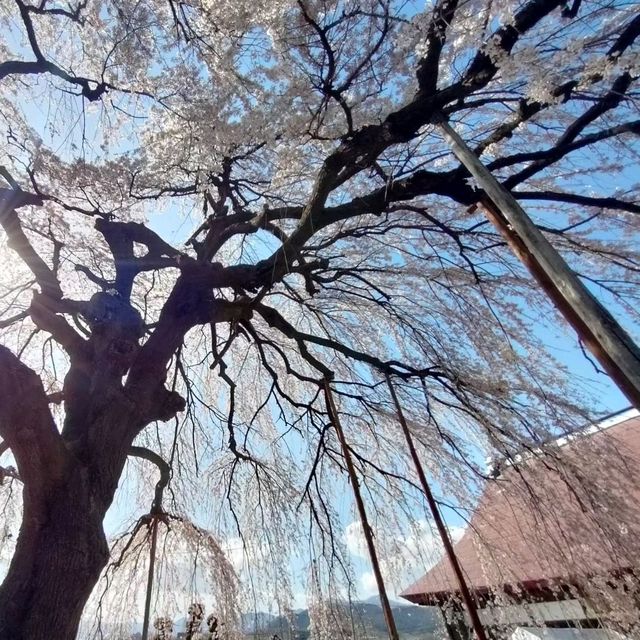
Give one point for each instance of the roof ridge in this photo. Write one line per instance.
(495, 465)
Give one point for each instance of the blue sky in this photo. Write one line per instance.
(559, 339)
(176, 229)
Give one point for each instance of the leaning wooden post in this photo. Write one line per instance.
(608, 341)
(152, 563)
(355, 485)
(442, 529)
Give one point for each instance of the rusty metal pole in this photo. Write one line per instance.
(355, 485)
(608, 341)
(470, 605)
(150, 576)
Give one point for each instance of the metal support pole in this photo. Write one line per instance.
(442, 529)
(608, 341)
(355, 485)
(152, 563)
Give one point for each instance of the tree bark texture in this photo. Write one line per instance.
(60, 553)
(68, 485)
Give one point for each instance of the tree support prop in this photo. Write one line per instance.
(596, 327)
(152, 564)
(355, 485)
(156, 514)
(442, 529)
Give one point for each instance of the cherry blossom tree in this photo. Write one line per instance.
(208, 208)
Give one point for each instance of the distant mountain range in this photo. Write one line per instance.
(364, 618)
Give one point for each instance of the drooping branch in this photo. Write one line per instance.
(274, 319)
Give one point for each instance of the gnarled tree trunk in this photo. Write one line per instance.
(69, 481)
(60, 552)
(70, 475)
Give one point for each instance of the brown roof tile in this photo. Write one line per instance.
(572, 512)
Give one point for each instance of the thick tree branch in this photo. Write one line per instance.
(190, 303)
(10, 200)
(42, 65)
(121, 236)
(361, 150)
(614, 204)
(7, 472)
(20, 67)
(7, 322)
(427, 73)
(165, 473)
(27, 427)
(543, 159)
(45, 314)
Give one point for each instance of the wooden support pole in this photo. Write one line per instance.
(470, 605)
(608, 341)
(355, 485)
(150, 576)
(517, 246)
